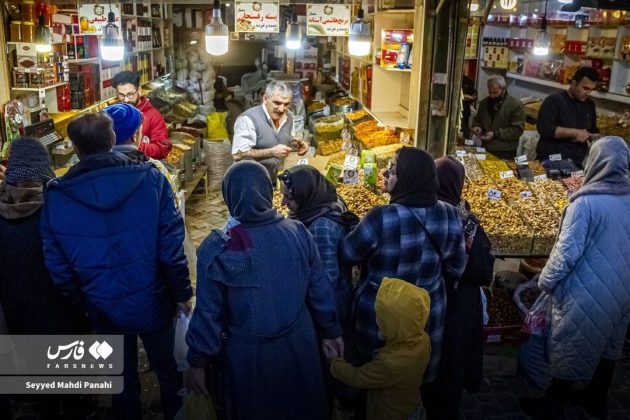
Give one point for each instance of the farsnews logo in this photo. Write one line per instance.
(76, 351)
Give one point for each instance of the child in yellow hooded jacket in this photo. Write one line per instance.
(394, 376)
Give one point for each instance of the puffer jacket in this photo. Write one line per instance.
(157, 144)
(394, 376)
(113, 242)
(588, 275)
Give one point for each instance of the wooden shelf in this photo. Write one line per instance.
(37, 89)
(397, 70)
(392, 119)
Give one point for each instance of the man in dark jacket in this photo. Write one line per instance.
(155, 143)
(500, 120)
(113, 242)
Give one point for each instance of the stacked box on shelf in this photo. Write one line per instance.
(366, 85)
(84, 84)
(506, 229)
(496, 57)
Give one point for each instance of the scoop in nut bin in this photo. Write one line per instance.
(298, 146)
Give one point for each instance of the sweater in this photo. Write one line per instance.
(507, 124)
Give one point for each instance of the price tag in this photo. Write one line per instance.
(526, 194)
(405, 138)
(481, 149)
(555, 157)
(520, 159)
(351, 162)
(460, 153)
(346, 145)
(469, 142)
(577, 174)
(540, 177)
(506, 174)
(302, 162)
(480, 156)
(345, 134)
(494, 194)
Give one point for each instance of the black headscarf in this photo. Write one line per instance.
(450, 175)
(315, 196)
(248, 194)
(416, 184)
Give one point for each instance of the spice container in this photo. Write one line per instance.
(16, 31)
(28, 31)
(28, 11)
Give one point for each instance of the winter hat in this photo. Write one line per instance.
(126, 120)
(28, 161)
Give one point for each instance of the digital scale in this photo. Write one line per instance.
(45, 132)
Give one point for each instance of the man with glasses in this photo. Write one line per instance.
(155, 142)
(264, 133)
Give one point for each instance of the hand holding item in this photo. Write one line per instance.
(302, 148)
(329, 350)
(185, 307)
(488, 136)
(195, 380)
(477, 131)
(280, 151)
(581, 136)
(333, 348)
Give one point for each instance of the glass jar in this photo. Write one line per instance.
(28, 31)
(16, 31)
(28, 11)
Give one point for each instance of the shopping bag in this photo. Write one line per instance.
(180, 349)
(196, 407)
(216, 125)
(538, 319)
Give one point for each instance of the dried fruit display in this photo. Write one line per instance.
(346, 100)
(316, 106)
(471, 167)
(329, 128)
(544, 220)
(385, 153)
(493, 168)
(536, 168)
(502, 311)
(551, 191)
(573, 183)
(337, 158)
(359, 198)
(371, 135)
(174, 156)
(277, 203)
(358, 116)
(511, 187)
(327, 148)
(506, 229)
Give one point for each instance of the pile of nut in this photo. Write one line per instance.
(511, 187)
(357, 115)
(359, 198)
(536, 168)
(471, 167)
(277, 204)
(492, 168)
(573, 183)
(330, 147)
(371, 135)
(551, 191)
(502, 311)
(174, 156)
(544, 220)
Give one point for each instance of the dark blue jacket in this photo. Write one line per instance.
(113, 242)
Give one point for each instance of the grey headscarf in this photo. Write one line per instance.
(248, 194)
(28, 161)
(606, 169)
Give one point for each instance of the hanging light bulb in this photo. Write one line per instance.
(112, 46)
(474, 6)
(542, 41)
(360, 38)
(294, 33)
(43, 37)
(216, 32)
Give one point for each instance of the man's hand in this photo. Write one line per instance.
(2, 170)
(280, 151)
(185, 307)
(581, 136)
(195, 380)
(302, 148)
(488, 136)
(333, 348)
(477, 130)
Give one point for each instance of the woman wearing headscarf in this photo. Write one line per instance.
(587, 277)
(415, 238)
(462, 357)
(261, 294)
(313, 200)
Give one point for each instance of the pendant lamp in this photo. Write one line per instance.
(216, 32)
(43, 37)
(112, 46)
(542, 41)
(474, 6)
(360, 38)
(294, 33)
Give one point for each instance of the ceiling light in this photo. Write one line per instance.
(542, 41)
(294, 33)
(112, 46)
(360, 37)
(216, 32)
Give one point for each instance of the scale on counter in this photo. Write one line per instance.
(45, 132)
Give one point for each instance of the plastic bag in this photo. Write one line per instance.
(216, 125)
(181, 348)
(197, 407)
(538, 319)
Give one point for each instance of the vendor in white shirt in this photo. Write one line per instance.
(264, 133)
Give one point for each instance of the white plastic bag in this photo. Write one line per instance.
(181, 348)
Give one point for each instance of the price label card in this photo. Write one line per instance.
(302, 162)
(480, 156)
(506, 174)
(345, 134)
(481, 149)
(520, 159)
(469, 142)
(494, 194)
(405, 138)
(346, 145)
(350, 176)
(526, 194)
(540, 177)
(577, 174)
(460, 153)
(555, 157)
(351, 162)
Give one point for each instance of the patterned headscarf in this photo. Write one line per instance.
(28, 161)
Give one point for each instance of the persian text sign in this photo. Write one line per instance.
(92, 17)
(328, 19)
(256, 17)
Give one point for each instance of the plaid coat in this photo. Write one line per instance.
(390, 242)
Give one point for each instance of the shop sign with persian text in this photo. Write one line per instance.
(92, 17)
(328, 19)
(257, 17)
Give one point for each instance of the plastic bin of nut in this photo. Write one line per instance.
(359, 116)
(506, 229)
(552, 192)
(359, 198)
(329, 128)
(544, 220)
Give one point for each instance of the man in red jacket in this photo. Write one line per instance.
(155, 142)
